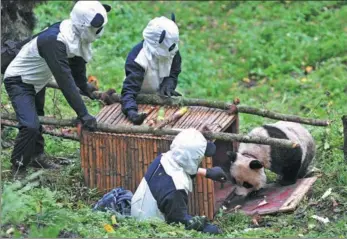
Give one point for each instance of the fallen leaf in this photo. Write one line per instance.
(327, 192)
(113, 219)
(303, 80)
(308, 69)
(246, 80)
(326, 145)
(94, 81)
(325, 220)
(255, 219)
(264, 202)
(10, 231)
(108, 228)
(335, 204)
(311, 226)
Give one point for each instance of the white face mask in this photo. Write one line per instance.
(164, 51)
(90, 34)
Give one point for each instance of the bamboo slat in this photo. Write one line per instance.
(117, 145)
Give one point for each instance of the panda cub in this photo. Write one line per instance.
(247, 165)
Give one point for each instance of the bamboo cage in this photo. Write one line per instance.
(121, 160)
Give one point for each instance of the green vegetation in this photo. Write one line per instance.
(257, 51)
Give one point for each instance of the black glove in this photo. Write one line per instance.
(196, 223)
(135, 117)
(216, 174)
(88, 122)
(88, 91)
(167, 88)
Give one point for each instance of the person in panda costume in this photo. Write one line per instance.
(152, 65)
(62, 51)
(163, 192)
(247, 165)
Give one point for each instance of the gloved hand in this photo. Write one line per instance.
(88, 122)
(196, 223)
(88, 91)
(216, 174)
(212, 229)
(135, 117)
(167, 88)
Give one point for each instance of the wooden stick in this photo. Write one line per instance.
(125, 129)
(44, 130)
(233, 108)
(344, 123)
(279, 116)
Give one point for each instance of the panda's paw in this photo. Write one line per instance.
(284, 182)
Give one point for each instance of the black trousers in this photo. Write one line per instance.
(28, 105)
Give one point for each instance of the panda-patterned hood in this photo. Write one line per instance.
(161, 37)
(86, 24)
(186, 153)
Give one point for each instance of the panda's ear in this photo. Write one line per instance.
(173, 17)
(232, 156)
(255, 164)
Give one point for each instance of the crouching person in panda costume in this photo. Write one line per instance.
(163, 192)
(247, 165)
(152, 65)
(62, 51)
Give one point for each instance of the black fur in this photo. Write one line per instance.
(255, 164)
(232, 156)
(285, 162)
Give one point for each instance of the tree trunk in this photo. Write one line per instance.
(125, 129)
(157, 100)
(344, 123)
(17, 19)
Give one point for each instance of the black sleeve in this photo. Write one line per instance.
(175, 68)
(175, 207)
(132, 84)
(54, 52)
(78, 70)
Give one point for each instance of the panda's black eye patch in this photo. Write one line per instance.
(97, 21)
(172, 47)
(247, 185)
(99, 30)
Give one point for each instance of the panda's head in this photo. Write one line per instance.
(247, 173)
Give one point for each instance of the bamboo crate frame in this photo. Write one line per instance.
(121, 160)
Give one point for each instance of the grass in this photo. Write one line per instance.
(257, 51)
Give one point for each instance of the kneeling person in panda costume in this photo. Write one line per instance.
(247, 165)
(152, 66)
(163, 192)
